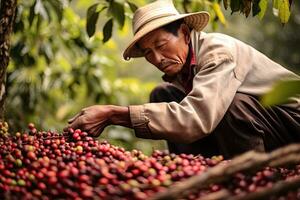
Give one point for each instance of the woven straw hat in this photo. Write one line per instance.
(156, 15)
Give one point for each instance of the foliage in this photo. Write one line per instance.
(117, 10)
(56, 70)
(280, 43)
(285, 89)
(56, 66)
(277, 37)
(281, 92)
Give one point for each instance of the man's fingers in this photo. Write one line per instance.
(66, 129)
(92, 128)
(97, 129)
(73, 118)
(82, 112)
(77, 123)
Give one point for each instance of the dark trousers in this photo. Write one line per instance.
(247, 125)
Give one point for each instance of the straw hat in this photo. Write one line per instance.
(156, 15)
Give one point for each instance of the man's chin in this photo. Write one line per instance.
(172, 71)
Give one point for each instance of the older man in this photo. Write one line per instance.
(209, 104)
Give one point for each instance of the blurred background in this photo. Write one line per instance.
(56, 69)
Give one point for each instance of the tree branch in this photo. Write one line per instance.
(278, 188)
(246, 162)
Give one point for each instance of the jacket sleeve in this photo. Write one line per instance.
(198, 114)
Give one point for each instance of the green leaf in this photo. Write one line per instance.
(281, 92)
(107, 30)
(284, 11)
(40, 9)
(132, 6)
(219, 12)
(31, 14)
(92, 17)
(275, 4)
(255, 7)
(235, 5)
(118, 12)
(58, 8)
(101, 7)
(263, 4)
(91, 21)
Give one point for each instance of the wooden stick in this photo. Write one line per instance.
(285, 161)
(219, 195)
(248, 161)
(278, 188)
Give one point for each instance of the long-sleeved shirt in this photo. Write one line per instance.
(224, 66)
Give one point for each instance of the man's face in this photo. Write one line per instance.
(165, 50)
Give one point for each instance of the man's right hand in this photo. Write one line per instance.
(92, 119)
(95, 118)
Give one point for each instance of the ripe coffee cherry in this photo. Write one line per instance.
(31, 126)
(31, 155)
(76, 135)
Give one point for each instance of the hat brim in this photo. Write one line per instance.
(196, 21)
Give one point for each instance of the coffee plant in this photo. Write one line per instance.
(72, 165)
(117, 10)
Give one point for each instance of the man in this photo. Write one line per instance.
(210, 105)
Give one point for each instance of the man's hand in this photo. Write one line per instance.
(94, 119)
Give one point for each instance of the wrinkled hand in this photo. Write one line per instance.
(92, 119)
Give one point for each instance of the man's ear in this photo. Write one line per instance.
(186, 32)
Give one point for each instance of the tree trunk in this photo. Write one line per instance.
(7, 15)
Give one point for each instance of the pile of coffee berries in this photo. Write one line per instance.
(73, 165)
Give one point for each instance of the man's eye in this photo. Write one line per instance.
(146, 52)
(161, 46)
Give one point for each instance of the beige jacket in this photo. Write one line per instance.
(224, 66)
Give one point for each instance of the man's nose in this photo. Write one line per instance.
(158, 58)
